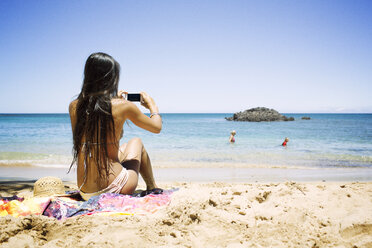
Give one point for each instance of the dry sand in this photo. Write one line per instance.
(289, 214)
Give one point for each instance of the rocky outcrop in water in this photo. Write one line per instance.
(305, 118)
(259, 114)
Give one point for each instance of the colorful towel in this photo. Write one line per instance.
(20, 207)
(104, 204)
(108, 204)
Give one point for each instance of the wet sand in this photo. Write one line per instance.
(238, 175)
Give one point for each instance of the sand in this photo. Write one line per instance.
(286, 214)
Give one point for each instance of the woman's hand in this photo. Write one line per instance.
(141, 120)
(148, 102)
(121, 92)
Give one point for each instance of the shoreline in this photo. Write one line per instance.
(210, 174)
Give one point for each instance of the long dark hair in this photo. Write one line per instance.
(94, 121)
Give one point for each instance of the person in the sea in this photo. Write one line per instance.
(97, 118)
(232, 136)
(285, 142)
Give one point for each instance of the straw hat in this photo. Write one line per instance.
(49, 186)
(233, 132)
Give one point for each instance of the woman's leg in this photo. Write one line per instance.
(133, 156)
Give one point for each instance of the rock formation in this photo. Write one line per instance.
(259, 114)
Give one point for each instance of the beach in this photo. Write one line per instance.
(316, 192)
(218, 214)
(247, 123)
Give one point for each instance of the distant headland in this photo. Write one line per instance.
(259, 114)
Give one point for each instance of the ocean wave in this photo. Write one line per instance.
(232, 158)
(31, 164)
(265, 158)
(22, 159)
(22, 156)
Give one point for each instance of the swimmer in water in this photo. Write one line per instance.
(285, 142)
(232, 138)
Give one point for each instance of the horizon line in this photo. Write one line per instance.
(51, 113)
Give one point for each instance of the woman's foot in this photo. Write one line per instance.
(154, 191)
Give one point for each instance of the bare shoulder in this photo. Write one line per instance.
(72, 111)
(72, 106)
(121, 106)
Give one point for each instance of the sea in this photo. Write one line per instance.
(201, 141)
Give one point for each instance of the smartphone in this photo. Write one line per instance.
(134, 97)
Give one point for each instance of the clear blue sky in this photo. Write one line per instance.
(191, 56)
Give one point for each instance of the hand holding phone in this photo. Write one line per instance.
(145, 100)
(148, 102)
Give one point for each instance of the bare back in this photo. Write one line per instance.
(121, 111)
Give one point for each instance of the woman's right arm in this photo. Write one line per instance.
(134, 114)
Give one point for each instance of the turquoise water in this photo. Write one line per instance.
(201, 140)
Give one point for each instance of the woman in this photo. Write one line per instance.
(97, 118)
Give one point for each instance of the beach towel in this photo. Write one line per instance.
(107, 204)
(16, 206)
